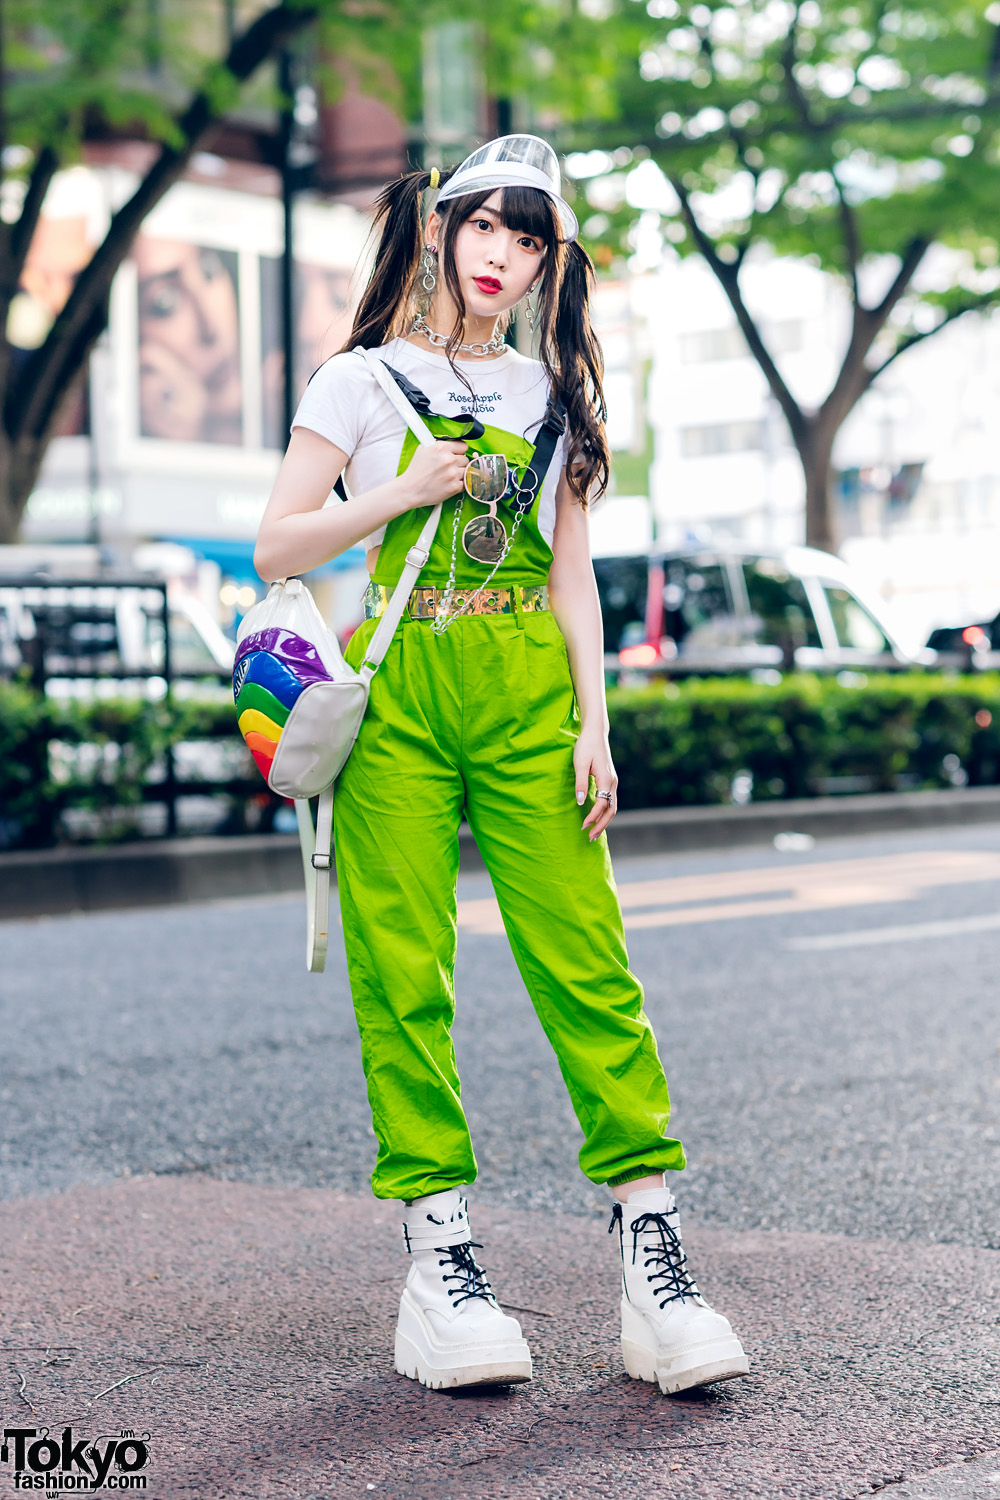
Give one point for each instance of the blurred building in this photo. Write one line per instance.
(180, 429)
(917, 475)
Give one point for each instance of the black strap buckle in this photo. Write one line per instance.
(421, 403)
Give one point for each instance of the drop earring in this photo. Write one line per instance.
(429, 278)
(529, 311)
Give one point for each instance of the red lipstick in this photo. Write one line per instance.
(488, 284)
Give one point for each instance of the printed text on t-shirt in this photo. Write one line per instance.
(476, 403)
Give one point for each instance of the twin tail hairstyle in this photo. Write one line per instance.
(567, 347)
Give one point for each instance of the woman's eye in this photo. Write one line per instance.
(160, 301)
(483, 224)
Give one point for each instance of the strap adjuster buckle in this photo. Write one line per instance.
(417, 556)
(321, 862)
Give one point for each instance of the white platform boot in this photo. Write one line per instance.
(669, 1333)
(451, 1330)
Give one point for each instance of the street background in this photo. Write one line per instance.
(794, 215)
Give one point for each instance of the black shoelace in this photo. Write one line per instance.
(472, 1279)
(665, 1254)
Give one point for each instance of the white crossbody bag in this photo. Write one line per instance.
(300, 704)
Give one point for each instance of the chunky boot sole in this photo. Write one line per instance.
(442, 1366)
(685, 1366)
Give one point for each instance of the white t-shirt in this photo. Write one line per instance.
(344, 404)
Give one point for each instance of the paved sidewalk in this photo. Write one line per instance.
(254, 1325)
(975, 1479)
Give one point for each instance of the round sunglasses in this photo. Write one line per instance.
(488, 480)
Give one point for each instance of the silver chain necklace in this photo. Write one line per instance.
(495, 346)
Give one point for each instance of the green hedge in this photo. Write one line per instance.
(674, 744)
(126, 739)
(684, 743)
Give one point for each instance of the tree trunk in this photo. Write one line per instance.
(816, 451)
(9, 517)
(19, 468)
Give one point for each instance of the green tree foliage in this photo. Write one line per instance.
(861, 135)
(685, 744)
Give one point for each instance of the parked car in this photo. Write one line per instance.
(707, 610)
(967, 648)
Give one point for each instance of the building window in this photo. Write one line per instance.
(783, 336)
(712, 344)
(722, 437)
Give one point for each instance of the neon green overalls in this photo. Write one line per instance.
(482, 720)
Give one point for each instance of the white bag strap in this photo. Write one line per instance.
(315, 842)
(316, 861)
(421, 549)
(413, 420)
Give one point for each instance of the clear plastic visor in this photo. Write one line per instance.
(487, 181)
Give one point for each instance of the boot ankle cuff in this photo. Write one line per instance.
(435, 1235)
(422, 1231)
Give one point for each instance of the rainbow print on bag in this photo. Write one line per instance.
(273, 668)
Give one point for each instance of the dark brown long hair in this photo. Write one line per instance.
(568, 349)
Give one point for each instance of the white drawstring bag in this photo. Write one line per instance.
(300, 704)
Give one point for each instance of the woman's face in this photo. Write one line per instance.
(495, 265)
(189, 336)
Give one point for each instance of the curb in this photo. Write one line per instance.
(169, 872)
(164, 872)
(677, 830)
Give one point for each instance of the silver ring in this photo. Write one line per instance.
(606, 795)
(521, 486)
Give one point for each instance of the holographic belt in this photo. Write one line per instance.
(424, 603)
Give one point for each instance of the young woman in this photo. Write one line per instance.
(490, 703)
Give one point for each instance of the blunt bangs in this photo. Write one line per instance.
(523, 209)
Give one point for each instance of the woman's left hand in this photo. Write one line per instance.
(592, 757)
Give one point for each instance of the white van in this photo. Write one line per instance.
(725, 609)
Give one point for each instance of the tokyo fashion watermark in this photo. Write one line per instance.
(41, 1461)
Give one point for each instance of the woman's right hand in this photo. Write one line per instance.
(434, 473)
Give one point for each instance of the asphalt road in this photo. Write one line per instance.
(852, 1089)
(193, 1251)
